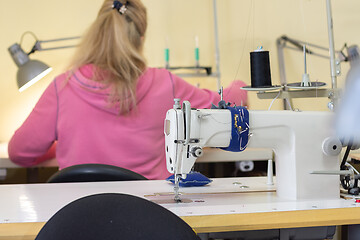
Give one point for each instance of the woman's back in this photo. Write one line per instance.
(90, 130)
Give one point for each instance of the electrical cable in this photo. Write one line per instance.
(288, 102)
(273, 101)
(27, 32)
(172, 84)
(346, 155)
(243, 50)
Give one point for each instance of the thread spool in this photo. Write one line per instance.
(260, 69)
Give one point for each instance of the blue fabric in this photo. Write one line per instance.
(192, 179)
(239, 130)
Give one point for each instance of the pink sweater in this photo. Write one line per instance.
(88, 130)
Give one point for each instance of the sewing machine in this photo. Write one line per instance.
(303, 143)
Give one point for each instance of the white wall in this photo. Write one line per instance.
(243, 25)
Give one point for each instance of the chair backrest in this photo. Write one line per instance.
(114, 216)
(94, 173)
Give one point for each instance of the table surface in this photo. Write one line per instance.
(226, 204)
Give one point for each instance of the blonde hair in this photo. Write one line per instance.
(114, 45)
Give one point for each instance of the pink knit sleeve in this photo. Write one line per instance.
(37, 134)
(203, 98)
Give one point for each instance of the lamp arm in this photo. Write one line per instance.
(55, 48)
(299, 47)
(312, 53)
(38, 47)
(59, 39)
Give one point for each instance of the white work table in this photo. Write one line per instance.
(226, 204)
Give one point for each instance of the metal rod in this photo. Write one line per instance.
(308, 44)
(331, 45)
(339, 172)
(305, 67)
(280, 51)
(314, 54)
(59, 39)
(311, 93)
(217, 49)
(55, 48)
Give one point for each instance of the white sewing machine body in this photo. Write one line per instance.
(303, 142)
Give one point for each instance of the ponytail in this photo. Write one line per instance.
(114, 45)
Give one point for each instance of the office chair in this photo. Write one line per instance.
(94, 173)
(115, 216)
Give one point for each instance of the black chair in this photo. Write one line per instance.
(94, 173)
(114, 216)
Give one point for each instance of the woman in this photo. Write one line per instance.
(110, 107)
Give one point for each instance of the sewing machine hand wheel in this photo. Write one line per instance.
(348, 181)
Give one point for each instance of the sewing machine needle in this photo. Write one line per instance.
(176, 189)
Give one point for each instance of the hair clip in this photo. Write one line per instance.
(120, 7)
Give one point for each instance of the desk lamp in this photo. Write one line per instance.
(30, 71)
